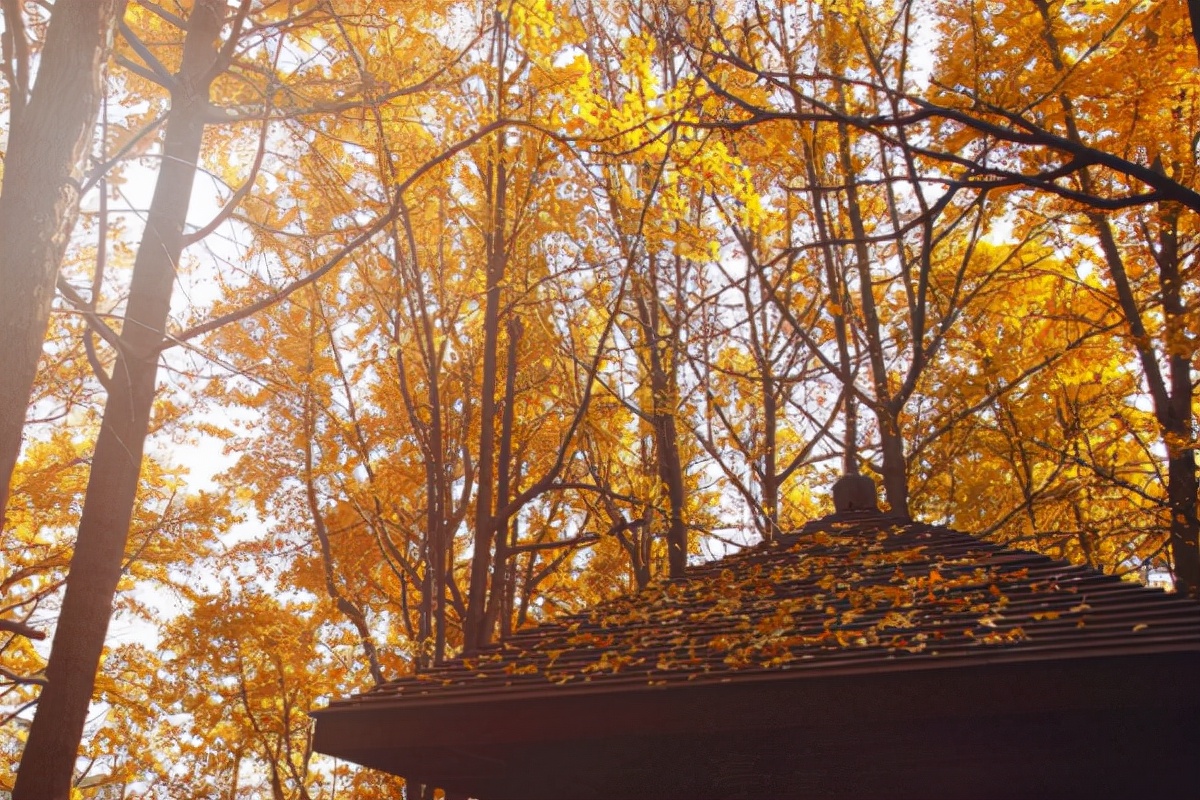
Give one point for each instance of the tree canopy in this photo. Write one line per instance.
(370, 332)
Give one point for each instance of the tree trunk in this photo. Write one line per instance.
(664, 396)
(1181, 496)
(839, 299)
(40, 197)
(1177, 423)
(49, 757)
(895, 463)
(770, 455)
(894, 467)
(670, 472)
(497, 604)
(474, 635)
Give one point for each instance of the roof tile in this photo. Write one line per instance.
(855, 592)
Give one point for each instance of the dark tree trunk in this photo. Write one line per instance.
(660, 351)
(670, 472)
(894, 465)
(497, 602)
(1171, 394)
(39, 201)
(1177, 423)
(1181, 496)
(474, 634)
(48, 760)
(496, 243)
(770, 457)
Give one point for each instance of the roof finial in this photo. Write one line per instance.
(854, 492)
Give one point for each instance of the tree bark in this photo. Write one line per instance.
(895, 465)
(1177, 423)
(48, 761)
(474, 635)
(39, 201)
(664, 398)
(839, 297)
(497, 604)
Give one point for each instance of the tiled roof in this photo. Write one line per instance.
(852, 593)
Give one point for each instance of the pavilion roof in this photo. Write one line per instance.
(861, 656)
(849, 594)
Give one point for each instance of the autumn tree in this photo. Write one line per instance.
(893, 257)
(1129, 207)
(198, 57)
(655, 169)
(249, 667)
(974, 140)
(48, 759)
(50, 129)
(404, 388)
(511, 305)
(170, 528)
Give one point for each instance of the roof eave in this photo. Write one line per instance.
(470, 743)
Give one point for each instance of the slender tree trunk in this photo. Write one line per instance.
(1178, 426)
(496, 243)
(474, 634)
(839, 297)
(770, 456)
(509, 607)
(664, 405)
(502, 568)
(39, 201)
(49, 757)
(670, 472)
(895, 465)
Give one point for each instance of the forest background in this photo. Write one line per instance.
(501, 307)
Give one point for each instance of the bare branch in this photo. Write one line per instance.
(154, 69)
(162, 13)
(577, 541)
(22, 679)
(238, 196)
(337, 258)
(21, 629)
